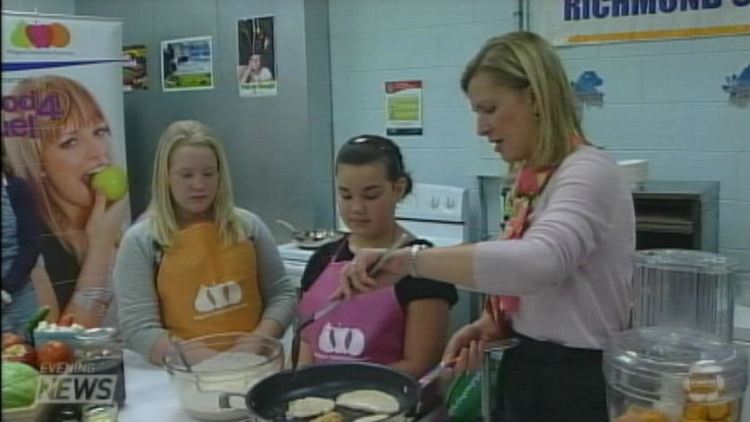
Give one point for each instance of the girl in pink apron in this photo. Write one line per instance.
(405, 326)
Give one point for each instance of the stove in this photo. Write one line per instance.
(437, 213)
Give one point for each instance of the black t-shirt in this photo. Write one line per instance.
(407, 290)
(62, 267)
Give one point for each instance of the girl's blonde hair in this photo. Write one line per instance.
(163, 217)
(61, 105)
(523, 59)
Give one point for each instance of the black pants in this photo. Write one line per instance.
(545, 382)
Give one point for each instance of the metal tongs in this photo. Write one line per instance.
(400, 242)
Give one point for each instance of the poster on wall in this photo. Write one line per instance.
(134, 76)
(256, 57)
(403, 108)
(64, 147)
(187, 64)
(592, 22)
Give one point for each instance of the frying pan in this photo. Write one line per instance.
(269, 399)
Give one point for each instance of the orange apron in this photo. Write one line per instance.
(207, 287)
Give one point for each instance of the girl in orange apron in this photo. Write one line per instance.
(197, 265)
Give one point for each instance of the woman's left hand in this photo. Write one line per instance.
(354, 278)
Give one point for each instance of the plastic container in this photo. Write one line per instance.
(659, 374)
(220, 363)
(684, 288)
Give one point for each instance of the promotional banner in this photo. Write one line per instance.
(63, 166)
(256, 57)
(187, 64)
(572, 22)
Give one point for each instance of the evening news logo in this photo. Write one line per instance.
(40, 35)
(78, 387)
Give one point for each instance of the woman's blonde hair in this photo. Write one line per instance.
(60, 105)
(523, 59)
(161, 209)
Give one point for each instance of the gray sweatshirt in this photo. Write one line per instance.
(135, 283)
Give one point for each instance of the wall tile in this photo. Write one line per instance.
(721, 127)
(710, 45)
(396, 49)
(366, 90)
(649, 48)
(441, 166)
(578, 52)
(356, 122)
(637, 127)
(65, 7)
(714, 166)
(662, 165)
(457, 44)
(621, 77)
(734, 225)
(353, 16)
(449, 127)
(493, 9)
(689, 78)
(663, 100)
(743, 160)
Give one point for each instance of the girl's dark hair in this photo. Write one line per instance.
(367, 149)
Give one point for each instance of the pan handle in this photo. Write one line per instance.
(287, 224)
(224, 400)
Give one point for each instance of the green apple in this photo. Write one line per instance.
(112, 181)
(18, 37)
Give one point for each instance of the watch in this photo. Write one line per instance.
(413, 257)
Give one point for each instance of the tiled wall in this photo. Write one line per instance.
(377, 41)
(66, 7)
(663, 100)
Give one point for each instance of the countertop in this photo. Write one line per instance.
(151, 397)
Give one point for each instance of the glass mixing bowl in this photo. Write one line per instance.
(202, 368)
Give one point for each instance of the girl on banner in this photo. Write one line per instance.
(196, 264)
(563, 267)
(65, 141)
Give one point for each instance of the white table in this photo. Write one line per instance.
(150, 396)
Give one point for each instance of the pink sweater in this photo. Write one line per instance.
(573, 266)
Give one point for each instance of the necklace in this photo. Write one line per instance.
(357, 243)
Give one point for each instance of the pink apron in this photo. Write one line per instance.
(365, 328)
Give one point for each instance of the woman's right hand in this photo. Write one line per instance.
(104, 223)
(466, 348)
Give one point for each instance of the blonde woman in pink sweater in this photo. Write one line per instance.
(561, 271)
